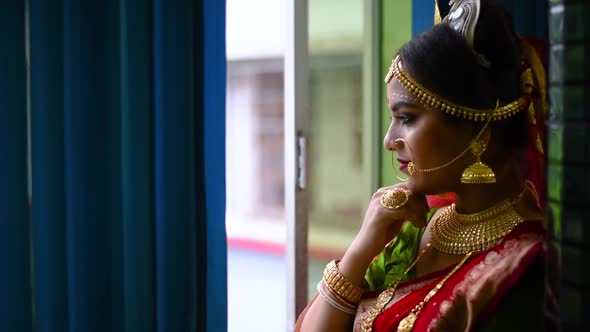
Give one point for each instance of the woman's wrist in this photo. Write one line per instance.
(354, 265)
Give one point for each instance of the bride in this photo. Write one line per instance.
(458, 245)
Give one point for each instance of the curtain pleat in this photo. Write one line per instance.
(174, 139)
(137, 164)
(47, 162)
(15, 281)
(92, 130)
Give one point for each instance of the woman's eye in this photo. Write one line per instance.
(404, 118)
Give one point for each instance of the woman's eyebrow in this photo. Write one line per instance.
(396, 106)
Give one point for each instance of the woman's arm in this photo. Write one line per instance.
(320, 315)
(379, 227)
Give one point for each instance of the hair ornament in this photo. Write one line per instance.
(463, 18)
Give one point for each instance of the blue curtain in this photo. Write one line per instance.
(123, 228)
(15, 275)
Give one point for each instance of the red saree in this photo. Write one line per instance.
(471, 295)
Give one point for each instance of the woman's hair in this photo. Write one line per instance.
(441, 60)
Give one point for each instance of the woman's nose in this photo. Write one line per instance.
(389, 139)
(390, 143)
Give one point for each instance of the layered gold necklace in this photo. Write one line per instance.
(462, 234)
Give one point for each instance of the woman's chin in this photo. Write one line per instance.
(411, 185)
(417, 186)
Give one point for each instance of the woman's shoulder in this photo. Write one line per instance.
(492, 279)
(522, 307)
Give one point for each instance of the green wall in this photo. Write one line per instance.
(396, 29)
(335, 25)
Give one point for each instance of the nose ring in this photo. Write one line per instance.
(411, 166)
(394, 171)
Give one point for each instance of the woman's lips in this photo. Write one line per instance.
(403, 164)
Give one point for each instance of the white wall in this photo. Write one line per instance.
(255, 29)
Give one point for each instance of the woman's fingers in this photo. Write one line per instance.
(414, 210)
(383, 222)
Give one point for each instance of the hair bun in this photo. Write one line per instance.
(496, 41)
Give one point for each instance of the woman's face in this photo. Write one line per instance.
(431, 140)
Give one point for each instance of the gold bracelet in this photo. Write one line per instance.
(340, 285)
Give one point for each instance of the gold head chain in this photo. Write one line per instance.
(431, 99)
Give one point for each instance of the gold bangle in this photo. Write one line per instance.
(340, 285)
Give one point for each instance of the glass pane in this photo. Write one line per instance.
(255, 174)
(255, 167)
(337, 182)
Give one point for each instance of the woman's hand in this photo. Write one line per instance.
(379, 227)
(381, 224)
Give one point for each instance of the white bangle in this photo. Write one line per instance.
(333, 301)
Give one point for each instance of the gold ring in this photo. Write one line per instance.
(395, 198)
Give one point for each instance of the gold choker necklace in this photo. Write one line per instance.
(460, 234)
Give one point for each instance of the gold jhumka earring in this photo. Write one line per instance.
(478, 172)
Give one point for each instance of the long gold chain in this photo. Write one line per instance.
(407, 324)
(387, 295)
